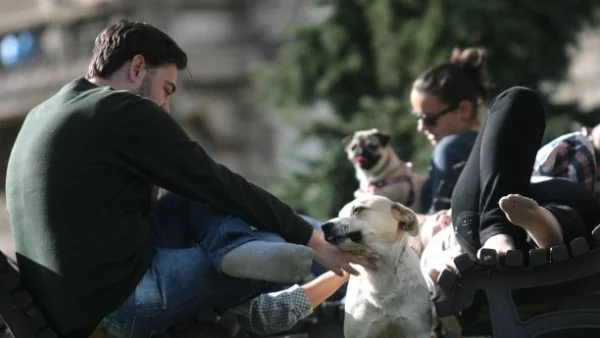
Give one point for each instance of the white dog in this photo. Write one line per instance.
(392, 302)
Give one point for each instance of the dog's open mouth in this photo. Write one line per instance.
(360, 159)
(347, 241)
(354, 236)
(367, 160)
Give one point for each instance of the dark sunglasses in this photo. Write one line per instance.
(431, 119)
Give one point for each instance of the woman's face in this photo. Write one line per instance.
(436, 119)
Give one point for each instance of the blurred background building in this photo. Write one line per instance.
(583, 80)
(46, 43)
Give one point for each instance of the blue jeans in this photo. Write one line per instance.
(190, 240)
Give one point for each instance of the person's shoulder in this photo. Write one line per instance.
(456, 142)
(573, 139)
(124, 99)
(123, 106)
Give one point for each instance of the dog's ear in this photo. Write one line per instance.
(346, 140)
(407, 219)
(384, 138)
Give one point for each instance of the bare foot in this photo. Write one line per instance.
(501, 243)
(539, 223)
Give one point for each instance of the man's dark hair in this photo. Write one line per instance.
(120, 42)
(463, 78)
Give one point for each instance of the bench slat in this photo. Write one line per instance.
(514, 259)
(579, 246)
(559, 253)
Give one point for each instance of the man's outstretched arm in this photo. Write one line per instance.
(152, 145)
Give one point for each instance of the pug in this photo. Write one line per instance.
(380, 171)
(393, 301)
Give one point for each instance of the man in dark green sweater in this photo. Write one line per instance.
(79, 186)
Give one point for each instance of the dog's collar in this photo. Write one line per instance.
(395, 180)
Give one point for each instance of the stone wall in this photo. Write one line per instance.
(583, 80)
(216, 101)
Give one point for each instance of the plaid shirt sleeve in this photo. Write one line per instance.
(273, 312)
(570, 156)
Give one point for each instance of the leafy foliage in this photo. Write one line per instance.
(363, 58)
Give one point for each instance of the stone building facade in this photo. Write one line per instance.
(215, 101)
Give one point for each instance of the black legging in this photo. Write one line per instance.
(501, 163)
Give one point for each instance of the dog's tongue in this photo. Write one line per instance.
(360, 159)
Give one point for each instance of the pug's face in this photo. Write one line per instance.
(370, 221)
(366, 147)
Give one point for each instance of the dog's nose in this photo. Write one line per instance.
(327, 227)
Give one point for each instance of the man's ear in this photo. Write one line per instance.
(384, 138)
(346, 140)
(407, 220)
(137, 68)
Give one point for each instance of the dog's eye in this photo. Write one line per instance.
(372, 146)
(353, 147)
(357, 210)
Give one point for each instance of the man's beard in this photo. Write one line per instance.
(145, 89)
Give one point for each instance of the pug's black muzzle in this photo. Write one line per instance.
(371, 158)
(337, 231)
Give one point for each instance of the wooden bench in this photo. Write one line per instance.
(539, 284)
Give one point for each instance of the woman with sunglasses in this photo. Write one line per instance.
(445, 101)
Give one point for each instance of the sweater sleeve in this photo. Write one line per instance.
(151, 145)
(274, 312)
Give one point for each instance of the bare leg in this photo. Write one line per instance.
(540, 224)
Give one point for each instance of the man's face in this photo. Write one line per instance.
(159, 84)
(435, 129)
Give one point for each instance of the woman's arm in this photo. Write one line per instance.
(279, 311)
(322, 287)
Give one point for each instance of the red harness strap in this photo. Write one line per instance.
(395, 180)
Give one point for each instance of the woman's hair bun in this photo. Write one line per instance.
(472, 57)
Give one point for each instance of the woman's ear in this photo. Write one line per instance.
(466, 110)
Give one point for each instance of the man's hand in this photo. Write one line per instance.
(338, 260)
